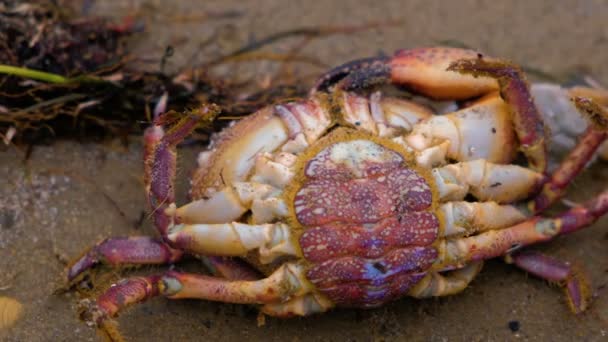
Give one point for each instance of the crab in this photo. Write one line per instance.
(353, 198)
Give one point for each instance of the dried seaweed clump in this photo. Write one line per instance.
(54, 66)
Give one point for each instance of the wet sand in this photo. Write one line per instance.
(54, 205)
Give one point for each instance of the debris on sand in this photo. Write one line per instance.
(10, 312)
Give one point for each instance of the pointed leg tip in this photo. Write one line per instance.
(595, 114)
(578, 292)
(571, 278)
(79, 268)
(96, 317)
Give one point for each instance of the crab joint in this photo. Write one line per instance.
(235, 239)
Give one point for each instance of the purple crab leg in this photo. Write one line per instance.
(143, 250)
(140, 250)
(572, 165)
(574, 282)
(160, 158)
(231, 268)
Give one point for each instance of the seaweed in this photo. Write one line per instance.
(68, 75)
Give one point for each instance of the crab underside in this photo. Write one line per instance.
(351, 198)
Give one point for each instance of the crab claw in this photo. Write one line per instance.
(359, 73)
(423, 70)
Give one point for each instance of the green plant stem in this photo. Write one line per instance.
(47, 76)
(33, 74)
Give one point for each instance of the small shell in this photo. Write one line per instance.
(10, 311)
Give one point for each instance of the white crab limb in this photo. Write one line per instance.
(377, 114)
(231, 203)
(436, 284)
(268, 210)
(481, 131)
(236, 239)
(385, 117)
(465, 218)
(277, 173)
(264, 201)
(356, 112)
(221, 206)
(296, 144)
(403, 114)
(306, 122)
(300, 306)
(486, 181)
(233, 157)
(266, 139)
(286, 282)
(433, 156)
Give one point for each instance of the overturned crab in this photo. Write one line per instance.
(354, 199)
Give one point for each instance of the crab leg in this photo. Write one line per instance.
(534, 230)
(160, 157)
(436, 284)
(231, 268)
(305, 305)
(595, 135)
(235, 239)
(143, 250)
(465, 218)
(486, 181)
(573, 282)
(140, 250)
(285, 282)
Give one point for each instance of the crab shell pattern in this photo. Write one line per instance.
(351, 198)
